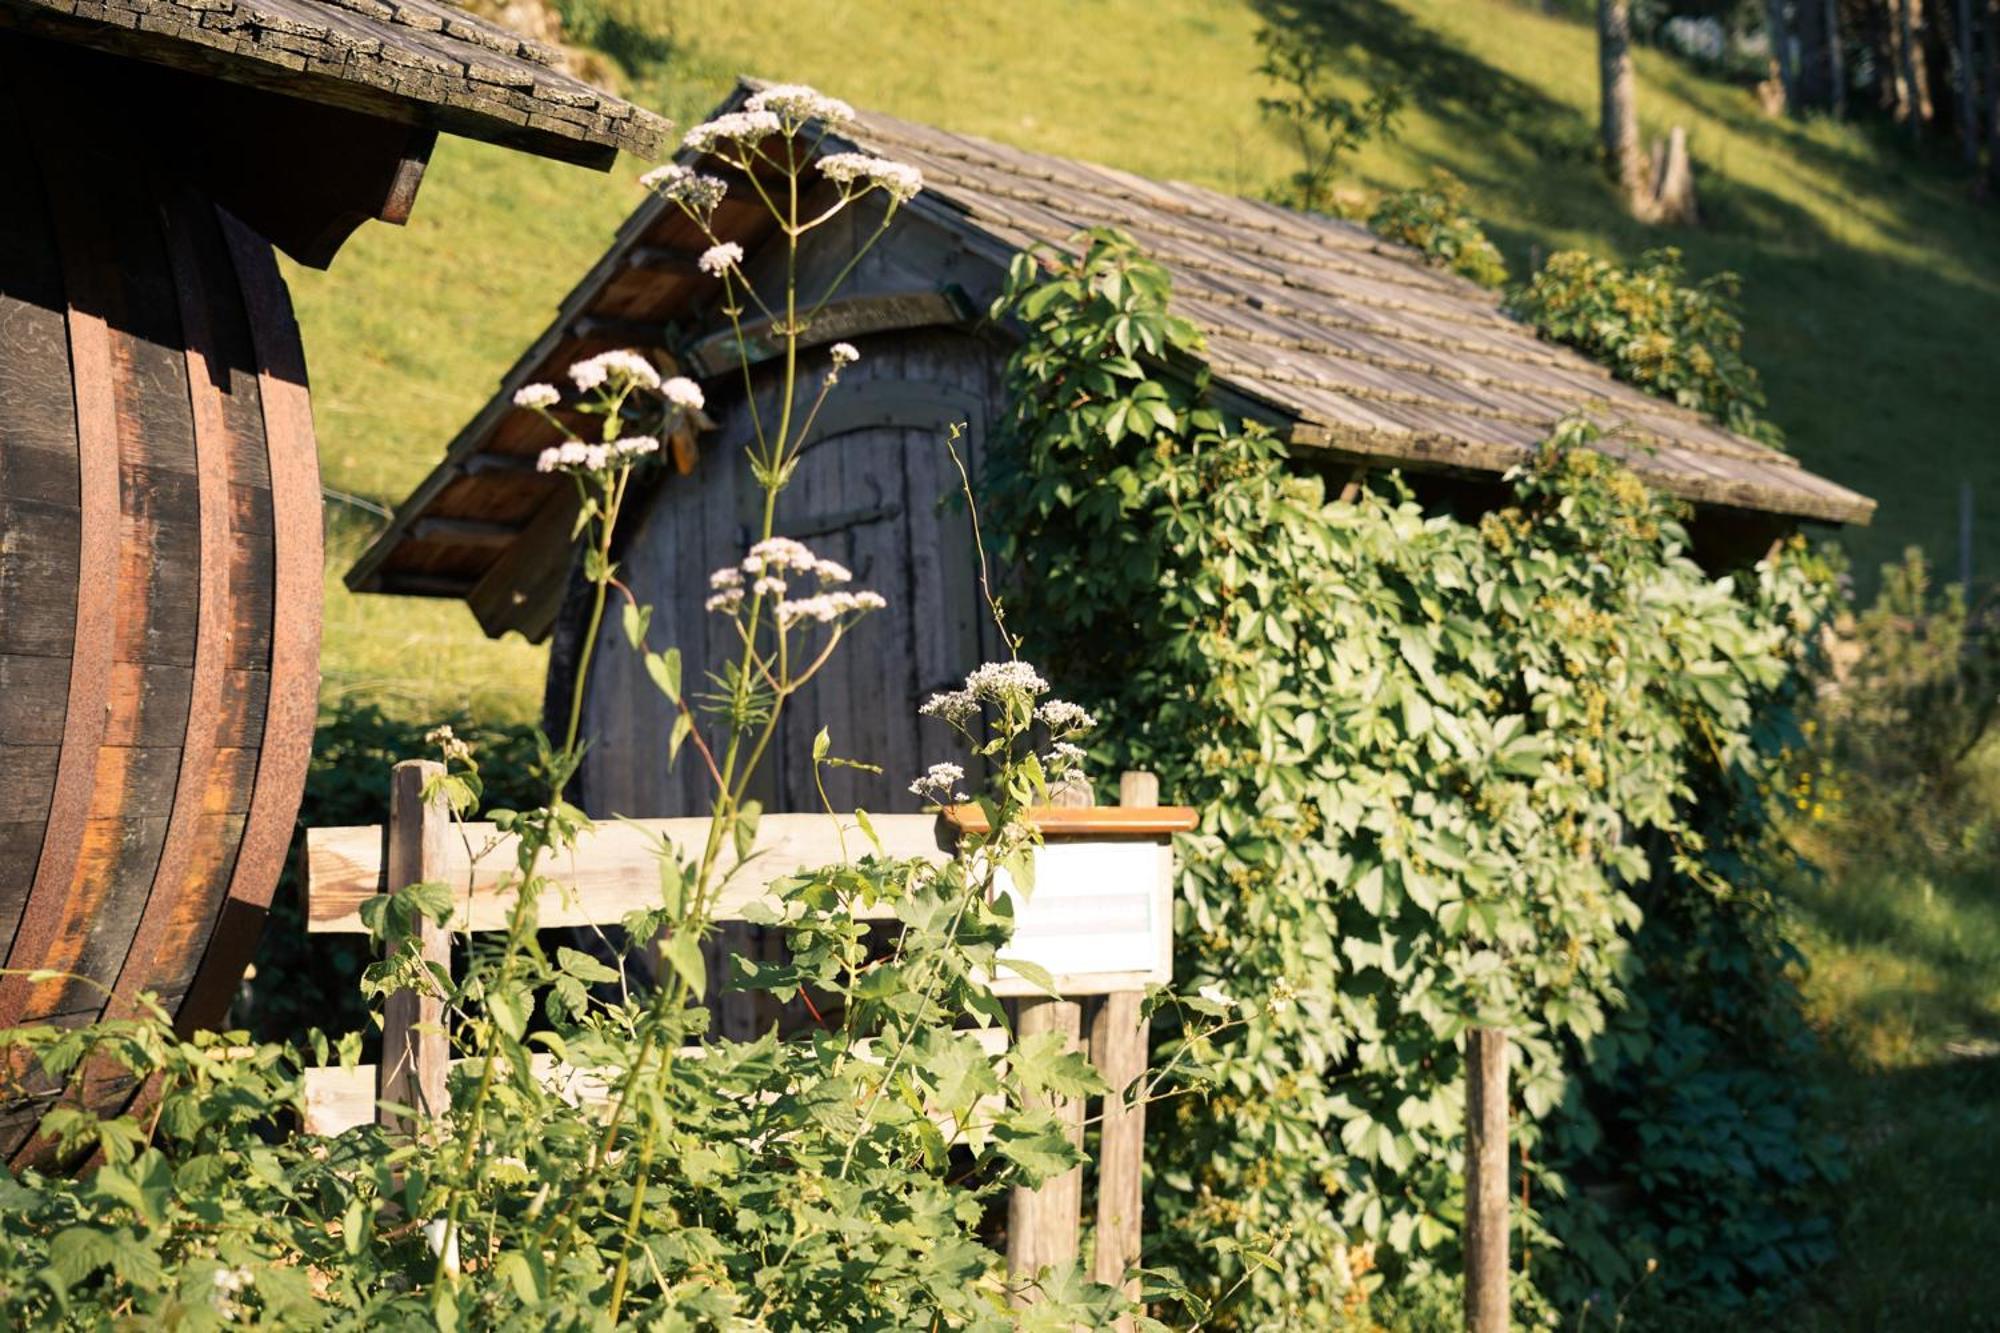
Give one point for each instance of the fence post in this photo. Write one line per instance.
(1486, 1297)
(1042, 1224)
(415, 1050)
(1118, 1049)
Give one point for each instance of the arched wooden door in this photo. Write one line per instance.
(876, 490)
(159, 588)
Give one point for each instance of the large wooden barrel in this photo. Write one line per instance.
(159, 587)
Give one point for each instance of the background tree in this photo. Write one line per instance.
(1618, 102)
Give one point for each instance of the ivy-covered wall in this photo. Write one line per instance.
(1511, 771)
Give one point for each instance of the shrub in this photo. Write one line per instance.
(1507, 772)
(1651, 330)
(1434, 221)
(1913, 693)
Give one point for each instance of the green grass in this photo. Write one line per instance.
(1904, 987)
(1872, 283)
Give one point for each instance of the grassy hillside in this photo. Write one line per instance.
(1872, 284)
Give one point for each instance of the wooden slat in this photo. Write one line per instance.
(613, 869)
(1106, 821)
(95, 374)
(338, 1099)
(294, 659)
(187, 829)
(416, 1049)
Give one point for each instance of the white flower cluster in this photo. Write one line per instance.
(627, 366)
(537, 395)
(1064, 755)
(939, 783)
(683, 393)
(865, 169)
(995, 682)
(782, 553)
(827, 607)
(453, 748)
(719, 259)
(843, 354)
(696, 193)
(765, 572)
(796, 104)
(576, 456)
(1062, 717)
(738, 127)
(230, 1284)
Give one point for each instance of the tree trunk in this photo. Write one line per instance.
(1813, 79)
(1619, 102)
(1915, 102)
(1783, 53)
(1968, 85)
(1993, 97)
(1836, 61)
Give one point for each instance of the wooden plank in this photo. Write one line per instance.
(339, 1099)
(416, 1049)
(1486, 1168)
(1091, 822)
(202, 714)
(1118, 1050)
(612, 870)
(1044, 1224)
(292, 702)
(75, 217)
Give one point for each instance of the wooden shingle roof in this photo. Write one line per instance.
(1345, 341)
(422, 62)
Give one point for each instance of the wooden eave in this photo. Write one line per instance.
(424, 63)
(1346, 343)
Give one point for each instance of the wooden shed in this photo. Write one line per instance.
(1350, 346)
(160, 553)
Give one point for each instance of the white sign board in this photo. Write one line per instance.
(1099, 918)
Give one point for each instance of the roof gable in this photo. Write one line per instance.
(1347, 342)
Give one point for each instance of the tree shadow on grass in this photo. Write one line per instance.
(1373, 38)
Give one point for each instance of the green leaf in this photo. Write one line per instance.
(583, 967)
(1034, 974)
(636, 619)
(682, 950)
(665, 669)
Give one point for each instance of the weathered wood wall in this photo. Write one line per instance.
(159, 581)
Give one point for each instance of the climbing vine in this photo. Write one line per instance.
(1506, 771)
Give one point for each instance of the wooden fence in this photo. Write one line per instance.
(1100, 922)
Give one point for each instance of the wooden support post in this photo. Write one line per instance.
(1043, 1224)
(1118, 1049)
(1486, 1181)
(415, 1049)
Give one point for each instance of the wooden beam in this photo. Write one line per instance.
(1486, 1300)
(466, 531)
(660, 259)
(849, 317)
(424, 585)
(613, 869)
(1043, 1224)
(476, 464)
(1090, 822)
(608, 328)
(1118, 1050)
(416, 1049)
